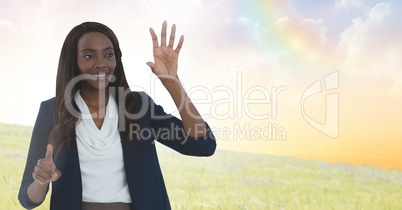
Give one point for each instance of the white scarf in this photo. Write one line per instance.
(96, 141)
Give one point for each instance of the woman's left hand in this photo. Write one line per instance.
(165, 67)
(165, 57)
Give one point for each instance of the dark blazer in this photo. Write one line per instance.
(144, 176)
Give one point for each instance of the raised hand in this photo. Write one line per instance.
(45, 170)
(165, 56)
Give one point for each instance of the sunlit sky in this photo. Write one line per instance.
(235, 55)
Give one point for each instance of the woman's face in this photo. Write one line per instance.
(96, 59)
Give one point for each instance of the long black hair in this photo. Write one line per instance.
(64, 132)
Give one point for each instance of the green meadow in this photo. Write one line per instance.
(233, 180)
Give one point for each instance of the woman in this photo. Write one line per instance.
(102, 134)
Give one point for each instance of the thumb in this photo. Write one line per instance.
(56, 174)
(151, 65)
(49, 152)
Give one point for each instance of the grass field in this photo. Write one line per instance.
(231, 180)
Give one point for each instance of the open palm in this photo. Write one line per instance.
(165, 57)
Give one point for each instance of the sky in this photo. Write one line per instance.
(311, 79)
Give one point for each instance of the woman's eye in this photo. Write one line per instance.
(87, 56)
(109, 55)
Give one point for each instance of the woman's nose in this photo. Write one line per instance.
(100, 66)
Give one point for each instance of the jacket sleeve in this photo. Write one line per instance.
(169, 131)
(37, 150)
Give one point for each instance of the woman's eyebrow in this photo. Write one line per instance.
(92, 50)
(108, 48)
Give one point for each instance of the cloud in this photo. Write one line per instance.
(371, 49)
(305, 34)
(372, 44)
(340, 4)
(5, 23)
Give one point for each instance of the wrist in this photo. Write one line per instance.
(41, 184)
(171, 83)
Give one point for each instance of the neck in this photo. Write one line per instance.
(94, 98)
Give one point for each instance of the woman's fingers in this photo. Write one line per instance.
(55, 175)
(163, 33)
(45, 170)
(172, 36)
(40, 175)
(155, 43)
(43, 176)
(49, 152)
(44, 165)
(39, 179)
(178, 48)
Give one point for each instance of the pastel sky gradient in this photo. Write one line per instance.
(239, 46)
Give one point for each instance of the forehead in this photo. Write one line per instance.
(94, 40)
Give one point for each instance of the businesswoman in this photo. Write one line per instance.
(94, 141)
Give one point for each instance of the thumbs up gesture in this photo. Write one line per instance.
(45, 170)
